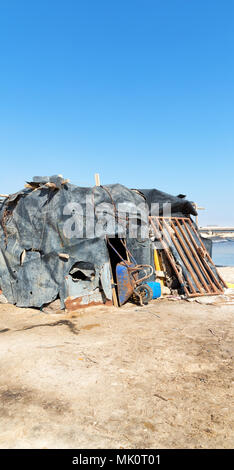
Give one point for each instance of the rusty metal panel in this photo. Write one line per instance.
(198, 275)
(89, 300)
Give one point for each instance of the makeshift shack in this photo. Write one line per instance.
(41, 258)
(54, 241)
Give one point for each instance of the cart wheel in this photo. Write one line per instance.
(144, 293)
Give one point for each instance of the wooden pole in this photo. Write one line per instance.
(195, 205)
(97, 179)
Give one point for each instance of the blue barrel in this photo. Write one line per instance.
(156, 288)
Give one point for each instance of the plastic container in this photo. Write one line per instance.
(156, 288)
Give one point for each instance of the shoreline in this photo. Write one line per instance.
(224, 236)
(222, 240)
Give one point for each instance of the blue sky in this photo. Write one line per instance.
(140, 91)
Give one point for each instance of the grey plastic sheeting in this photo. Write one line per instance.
(32, 272)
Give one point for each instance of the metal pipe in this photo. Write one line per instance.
(170, 257)
(206, 252)
(186, 263)
(188, 253)
(213, 281)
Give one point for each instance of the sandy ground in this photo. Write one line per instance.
(159, 376)
(227, 273)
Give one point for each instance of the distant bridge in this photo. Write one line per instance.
(213, 228)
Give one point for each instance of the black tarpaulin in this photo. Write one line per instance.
(179, 206)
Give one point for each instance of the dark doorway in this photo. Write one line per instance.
(118, 245)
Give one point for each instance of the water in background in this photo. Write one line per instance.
(223, 252)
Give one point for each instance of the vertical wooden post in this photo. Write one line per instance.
(97, 179)
(114, 295)
(195, 205)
